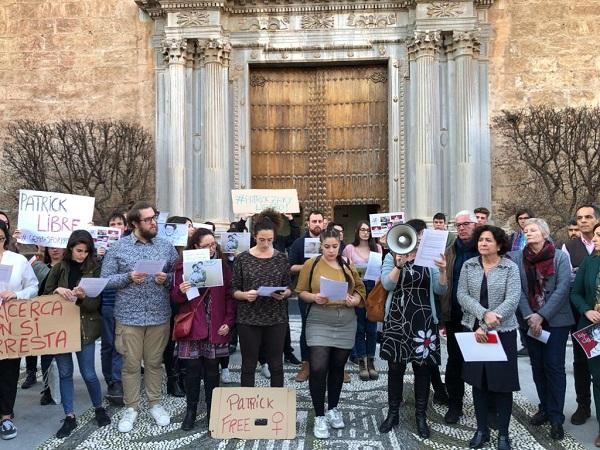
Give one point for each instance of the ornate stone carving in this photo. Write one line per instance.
(371, 20)
(152, 7)
(178, 51)
(445, 9)
(217, 51)
(269, 23)
(424, 43)
(379, 76)
(317, 22)
(192, 18)
(464, 43)
(257, 79)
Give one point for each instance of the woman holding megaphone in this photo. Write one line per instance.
(410, 329)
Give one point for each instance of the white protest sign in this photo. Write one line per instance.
(246, 201)
(381, 223)
(49, 218)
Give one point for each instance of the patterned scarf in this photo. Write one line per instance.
(538, 268)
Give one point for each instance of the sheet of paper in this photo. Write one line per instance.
(473, 351)
(373, 271)
(175, 233)
(192, 293)
(543, 337)
(203, 274)
(312, 247)
(93, 286)
(202, 225)
(235, 242)
(5, 273)
(432, 245)
(589, 339)
(335, 291)
(162, 217)
(201, 254)
(150, 266)
(266, 291)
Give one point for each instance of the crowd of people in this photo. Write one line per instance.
(523, 286)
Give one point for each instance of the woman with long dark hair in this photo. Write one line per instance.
(214, 316)
(79, 262)
(262, 320)
(410, 329)
(330, 328)
(365, 343)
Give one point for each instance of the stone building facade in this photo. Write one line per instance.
(184, 69)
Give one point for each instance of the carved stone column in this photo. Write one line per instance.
(177, 52)
(423, 50)
(464, 49)
(216, 179)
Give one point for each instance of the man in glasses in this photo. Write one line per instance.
(462, 249)
(142, 311)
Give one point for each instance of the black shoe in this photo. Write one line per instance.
(453, 414)
(422, 427)
(7, 430)
(523, 352)
(46, 398)
(440, 397)
(173, 387)
(30, 380)
(581, 415)
(115, 394)
(556, 431)
(503, 443)
(353, 360)
(392, 420)
(479, 439)
(102, 418)
(290, 358)
(539, 418)
(69, 424)
(190, 417)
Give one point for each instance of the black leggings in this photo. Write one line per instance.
(9, 376)
(326, 371)
(195, 370)
(483, 399)
(253, 340)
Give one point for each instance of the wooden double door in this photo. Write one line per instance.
(323, 131)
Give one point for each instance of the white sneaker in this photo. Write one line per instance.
(321, 429)
(225, 376)
(161, 417)
(127, 421)
(334, 418)
(265, 372)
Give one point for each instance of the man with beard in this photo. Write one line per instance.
(142, 311)
(315, 225)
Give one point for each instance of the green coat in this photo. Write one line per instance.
(91, 320)
(583, 292)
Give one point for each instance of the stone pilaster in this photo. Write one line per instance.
(216, 180)
(177, 53)
(423, 49)
(464, 49)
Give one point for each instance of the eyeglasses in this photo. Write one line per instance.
(149, 219)
(463, 224)
(523, 218)
(364, 230)
(211, 245)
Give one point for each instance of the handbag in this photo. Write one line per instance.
(375, 304)
(182, 324)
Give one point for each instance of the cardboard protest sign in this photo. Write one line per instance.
(589, 339)
(252, 201)
(46, 325)
(235, 242)
(253, 413)
(381, 223)
(49, 218)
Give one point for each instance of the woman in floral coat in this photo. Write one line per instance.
(410, 330)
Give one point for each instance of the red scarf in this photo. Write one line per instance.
(538, 268)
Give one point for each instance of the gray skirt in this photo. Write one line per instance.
(331, 327)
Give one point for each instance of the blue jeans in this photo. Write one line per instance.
(365, 342)
(112, 361)
(304, 353)
(85, 359)
(548, 367)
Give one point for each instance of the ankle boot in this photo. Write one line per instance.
(363, 372)
(421, 399)
(173, 387)
(190, 417)
(373, 374)
(395, 386)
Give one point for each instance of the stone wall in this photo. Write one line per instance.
(78, 58)
(542, 53)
